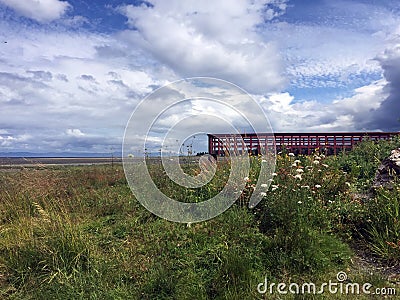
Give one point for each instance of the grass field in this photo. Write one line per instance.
(77, 232)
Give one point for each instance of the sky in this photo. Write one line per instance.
(72, 72)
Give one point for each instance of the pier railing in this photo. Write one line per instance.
(298, 143)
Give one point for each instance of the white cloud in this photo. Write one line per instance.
(75, 90)
(331, 57)
(387, 115)
(346, 114)
(75, 132)
(43, 91)
(332, 44)
(210, 38)
(365, 99)
(40, 10)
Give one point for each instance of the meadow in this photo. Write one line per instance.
(77, 232)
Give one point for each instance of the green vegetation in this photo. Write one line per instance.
(79, 233)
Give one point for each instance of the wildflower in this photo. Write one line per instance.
(246, 178)
(347, 183)
(274, 174)
(188, 225)
(130, 155)
(317, 157)
(263, 161)
(298, 176)
(270, 180)
(317, 186)
(299, 202)
(263, 194)
(264, 185)
(294, 165)
(274, 187)
(325, 165)
(316, 162)
(297, 161)
(291, 154)
(299, 170)
(305, 186)
(308, 167)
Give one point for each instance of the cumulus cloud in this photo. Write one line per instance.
(79, 96)
(387, 115)
(40, 10)
(75, 132)
(345, 114)
(210, 38)
(55, 94)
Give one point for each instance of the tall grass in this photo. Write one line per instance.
(79, 233)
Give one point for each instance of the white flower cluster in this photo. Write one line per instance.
(395, 156)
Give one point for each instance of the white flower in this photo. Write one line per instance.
(305, 186)
(317, 157)
(294, 165)
(316, 162)
(263, 161)
(274, 174)
(130, 155)
(325, 165)
(347, 183)
(299, 170)
(291, 154)
(297, 176)
(299, 202)
(317, 186)
(297, 161)
(274, 187)
(263, 194)
(246, 178)
(264, 185)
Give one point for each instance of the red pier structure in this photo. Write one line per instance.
(298, 143)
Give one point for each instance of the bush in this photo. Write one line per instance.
(362, 162)
(383, 219)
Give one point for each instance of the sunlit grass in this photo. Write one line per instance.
(79, 233)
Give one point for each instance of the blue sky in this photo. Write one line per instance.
(72, 72)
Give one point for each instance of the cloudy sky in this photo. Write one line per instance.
(72, 72)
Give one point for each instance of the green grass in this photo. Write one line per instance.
(79, 233)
